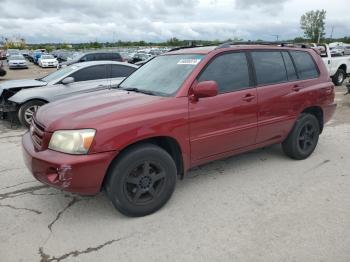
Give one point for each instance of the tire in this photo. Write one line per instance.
(24, 111)
(303, 138)
(141, 180)
(339, 77)
(2, 72)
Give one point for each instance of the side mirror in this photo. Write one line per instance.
(68, 80)
(205, 89)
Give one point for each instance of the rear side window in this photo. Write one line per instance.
(121, 71)
(230, 71)
(90, 73)
(305, 65)
(269, 67)
(291, 74)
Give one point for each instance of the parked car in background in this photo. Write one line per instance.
(138, 57)
(338, 66)
(180, 110)
(17, 61)
(36, 55)
(47, 61)
(339, 48)
(26, 96)
(93, 56)
(25, 53)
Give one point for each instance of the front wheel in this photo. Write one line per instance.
(141, 180)
(27, 110)
(303, 138)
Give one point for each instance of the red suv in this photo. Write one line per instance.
(180, 110)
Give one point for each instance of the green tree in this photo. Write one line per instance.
(313, 25)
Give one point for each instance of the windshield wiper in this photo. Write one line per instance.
(134, 89)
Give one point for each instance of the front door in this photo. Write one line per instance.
(228, 121)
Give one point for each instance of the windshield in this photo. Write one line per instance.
(47, 57)
(58, 74)
(163, 75)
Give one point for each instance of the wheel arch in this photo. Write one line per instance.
(343, 67)
(169, 144)
(318, 113)
(34, 99)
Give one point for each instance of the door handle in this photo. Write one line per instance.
(248, 97)
(296, 88)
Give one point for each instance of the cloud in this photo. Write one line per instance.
(158, 20)
(272, 7)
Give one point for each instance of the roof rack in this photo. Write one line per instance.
(281, 44)
(184, 47)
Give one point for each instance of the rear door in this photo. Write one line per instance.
(279, 87)
(228, 121)
(274, 86)
(87, 79)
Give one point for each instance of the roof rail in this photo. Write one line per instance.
(184, 47)
(281, 44)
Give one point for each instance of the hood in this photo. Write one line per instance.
(49, 60)
(17, 61)
(92, 111)
(24, 83)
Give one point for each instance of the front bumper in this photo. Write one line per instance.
(81, 174)
(47, 65)
(17, 66)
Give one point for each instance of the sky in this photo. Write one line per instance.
(75, 21)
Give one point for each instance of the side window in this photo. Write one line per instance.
(269, 67)
(103, 56)
(305, 65)
(291, 74)
(230, 71)
(121, 71)
(89, 57)
(90, 73)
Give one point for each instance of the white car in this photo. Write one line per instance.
(17, 61)
(47, 61)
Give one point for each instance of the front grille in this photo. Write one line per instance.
(37, 133)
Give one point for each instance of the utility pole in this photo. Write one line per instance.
(331, 37)
(277, 37)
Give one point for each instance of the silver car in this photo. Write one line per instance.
(17, 61)
(26, 96)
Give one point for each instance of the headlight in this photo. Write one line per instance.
(76, 142)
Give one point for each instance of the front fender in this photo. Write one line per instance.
(25, 95)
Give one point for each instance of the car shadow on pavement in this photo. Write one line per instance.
(87, 206)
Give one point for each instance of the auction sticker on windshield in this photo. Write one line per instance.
(188, 62)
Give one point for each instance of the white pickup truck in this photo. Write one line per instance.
(338, 66)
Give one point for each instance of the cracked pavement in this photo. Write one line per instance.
(259, 206)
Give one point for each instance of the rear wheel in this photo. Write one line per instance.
(303, 138)
(339, 77)
(142, 180)
(27, 110)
